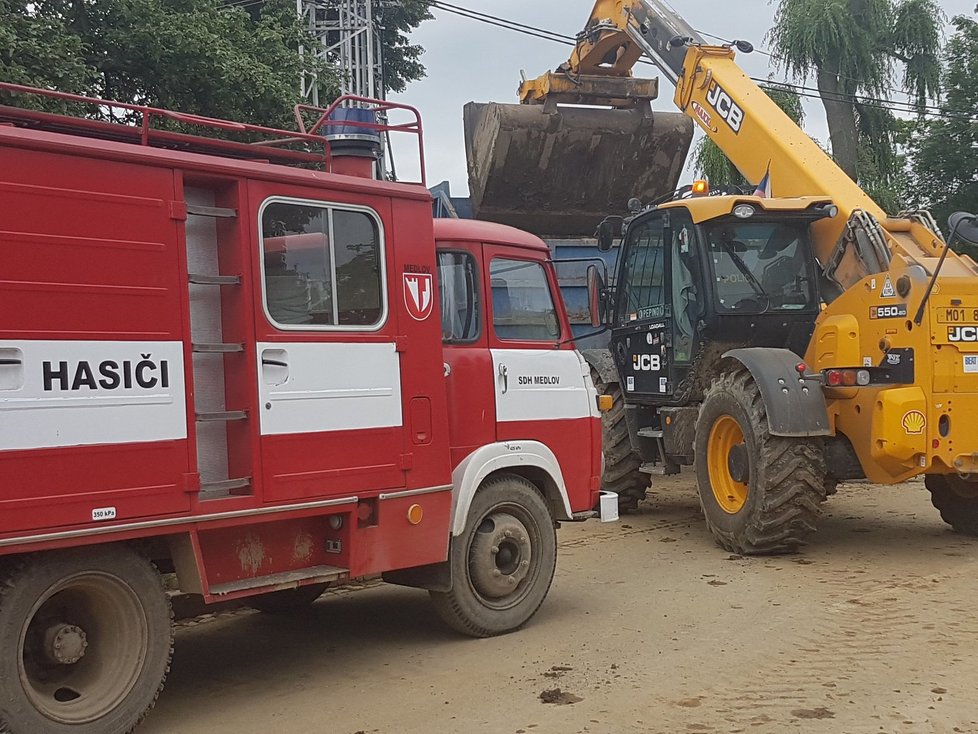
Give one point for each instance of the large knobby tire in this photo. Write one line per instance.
(760, 493)
(503, 563)
(622, 465)
(287, 601)
(957, 501)
(86, 637)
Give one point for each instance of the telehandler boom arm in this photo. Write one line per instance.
(757, 136)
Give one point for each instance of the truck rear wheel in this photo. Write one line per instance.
(759, 493)
(622, 466)
(957, 501)
(503, 562)
(87, 639)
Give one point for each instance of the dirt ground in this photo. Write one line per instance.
(649, 627)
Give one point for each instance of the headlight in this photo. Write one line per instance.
(744, 211)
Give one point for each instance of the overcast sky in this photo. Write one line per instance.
(471, 61)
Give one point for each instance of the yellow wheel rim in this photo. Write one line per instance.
(730, 494)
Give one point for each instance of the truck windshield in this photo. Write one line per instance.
(761, 266)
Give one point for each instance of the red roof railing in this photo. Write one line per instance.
(308, 145)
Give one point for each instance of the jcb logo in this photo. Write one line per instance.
(646, 362)
(962, 334)
(729, 110)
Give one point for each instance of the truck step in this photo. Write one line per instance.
(650, 433)
(656, 470)
(212, 490)
(284, 580)
(211, 211)
(201, 279)
(219, 416)
(217, 348)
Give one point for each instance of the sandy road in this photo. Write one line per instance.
(872, 629)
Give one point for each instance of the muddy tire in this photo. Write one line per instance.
(621, 464)
(760, 494)
(87, 639)
(957, 501)
(503, 562)
(287, 601)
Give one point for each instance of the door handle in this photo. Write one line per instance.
(11, 368)
(504, 373)
(274, 367)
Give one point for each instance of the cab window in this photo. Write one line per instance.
(761, 266)
(321, 266)
(522, 304)
(643, 295)
(458, 291)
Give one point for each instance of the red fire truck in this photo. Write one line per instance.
(230, 354)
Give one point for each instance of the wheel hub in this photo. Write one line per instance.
(64, 644)
(728, 461)
(500, 555)
(738, 463)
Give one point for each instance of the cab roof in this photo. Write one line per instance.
(490, 233)
(705, 208)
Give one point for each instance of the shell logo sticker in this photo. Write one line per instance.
(914, 422)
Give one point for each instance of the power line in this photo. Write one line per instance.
(799, 90)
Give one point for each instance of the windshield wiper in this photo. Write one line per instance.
(751, 278)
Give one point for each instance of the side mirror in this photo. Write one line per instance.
(965, 226)
(608, 231)
(596, 296)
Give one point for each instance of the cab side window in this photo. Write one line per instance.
(458, 291)
(321, 266)
(522, 304)
(643, 295)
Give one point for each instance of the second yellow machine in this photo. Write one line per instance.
(783, 341)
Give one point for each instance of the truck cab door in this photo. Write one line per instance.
(329, 372)
(541, 391)
(468, 364)
(659, 305)
(643, 327)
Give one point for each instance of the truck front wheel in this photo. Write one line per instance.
(957, 501)
(503, 562)
(87, 639)
(759, 493)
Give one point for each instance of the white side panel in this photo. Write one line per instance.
(309, 388)
(541, 384)
(77, 393)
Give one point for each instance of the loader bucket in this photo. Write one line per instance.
(561, 172)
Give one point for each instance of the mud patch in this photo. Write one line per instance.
(558, 697)
(819, 713)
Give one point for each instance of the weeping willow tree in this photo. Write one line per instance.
(711, 163)
(855, 50)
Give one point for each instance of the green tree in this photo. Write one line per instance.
(711, 163)
(198, 56)
(233, 59)
(402, 59)
(943, 151)
(853, 49)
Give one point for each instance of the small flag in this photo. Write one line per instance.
(764, 187)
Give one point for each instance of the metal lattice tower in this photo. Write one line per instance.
(349, 39)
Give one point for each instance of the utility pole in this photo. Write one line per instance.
(349, 39)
